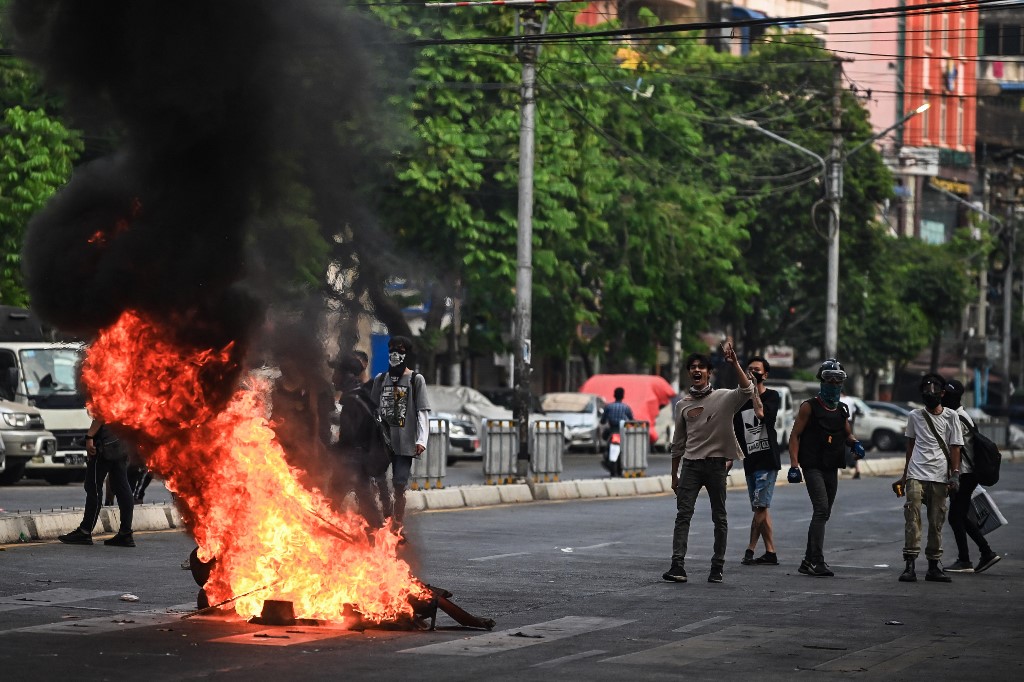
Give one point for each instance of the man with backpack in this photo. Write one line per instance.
(962, 525)
(401, 397)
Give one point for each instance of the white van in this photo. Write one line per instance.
(40, 374)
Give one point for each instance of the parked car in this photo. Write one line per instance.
(874, 427)
(464, 427)
(896, 409)
(25, 438)
(470, 404)
(463, 438)
(581, 413)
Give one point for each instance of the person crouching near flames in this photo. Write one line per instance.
(401, 396)
(363, 458)
(703, 448)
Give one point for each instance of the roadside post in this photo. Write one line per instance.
(546, 454)
(636, 443)
(501, 448)
(430, 468)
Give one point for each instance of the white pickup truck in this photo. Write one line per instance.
(23, 436)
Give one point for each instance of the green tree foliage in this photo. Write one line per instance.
(37, 153)
(629, 235)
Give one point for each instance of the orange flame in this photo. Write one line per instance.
(271, 537)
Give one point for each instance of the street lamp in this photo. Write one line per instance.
(833, 171)
(778, 138)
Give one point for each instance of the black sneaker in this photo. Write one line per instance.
(805, 567)
(986, 562)
(961, 566)
(120, 540)
(715, 576)
(676, 574)
(767, 559)
(820, 570)
(76, 537)
(748, 558)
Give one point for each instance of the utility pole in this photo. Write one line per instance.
(530, 24)
(1009, 237)
(835, 195)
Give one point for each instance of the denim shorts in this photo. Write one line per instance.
(761, 487)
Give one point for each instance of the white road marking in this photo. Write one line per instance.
(603, 544)
(568, 659)
(701, 623)
(60, 595)
(518, 638)
(499, 556)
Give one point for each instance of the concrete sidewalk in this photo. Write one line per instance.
(44, 526)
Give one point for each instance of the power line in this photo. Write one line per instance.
(827, 17)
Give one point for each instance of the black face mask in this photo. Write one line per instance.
(931, 401)
(758, 377)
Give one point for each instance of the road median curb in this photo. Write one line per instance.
(43, 526)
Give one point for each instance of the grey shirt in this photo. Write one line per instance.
(400, 404)
(704, 426)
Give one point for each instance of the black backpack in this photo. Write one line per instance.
(378, 451)
(985, 458)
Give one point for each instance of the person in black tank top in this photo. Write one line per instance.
(817, 446)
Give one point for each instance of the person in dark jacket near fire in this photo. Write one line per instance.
(364, 462)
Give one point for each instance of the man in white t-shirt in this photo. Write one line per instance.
(934, 438)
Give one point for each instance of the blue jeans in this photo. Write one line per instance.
(761, 488)
(821, 488)
(701, 473)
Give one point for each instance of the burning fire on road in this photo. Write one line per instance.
(244, 133)
(272, 538)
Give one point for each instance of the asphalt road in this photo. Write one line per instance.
(576, 590)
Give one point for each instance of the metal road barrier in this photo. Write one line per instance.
(429, 469)
(500, 444)
(636, 442)
(548, 441)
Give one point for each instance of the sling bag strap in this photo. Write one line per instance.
(942, 443)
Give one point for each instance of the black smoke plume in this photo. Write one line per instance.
(222, 110)
(246, 131)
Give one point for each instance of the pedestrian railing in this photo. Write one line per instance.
(429, 469)
(500, 444)
(548, 442)
(635, 444)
